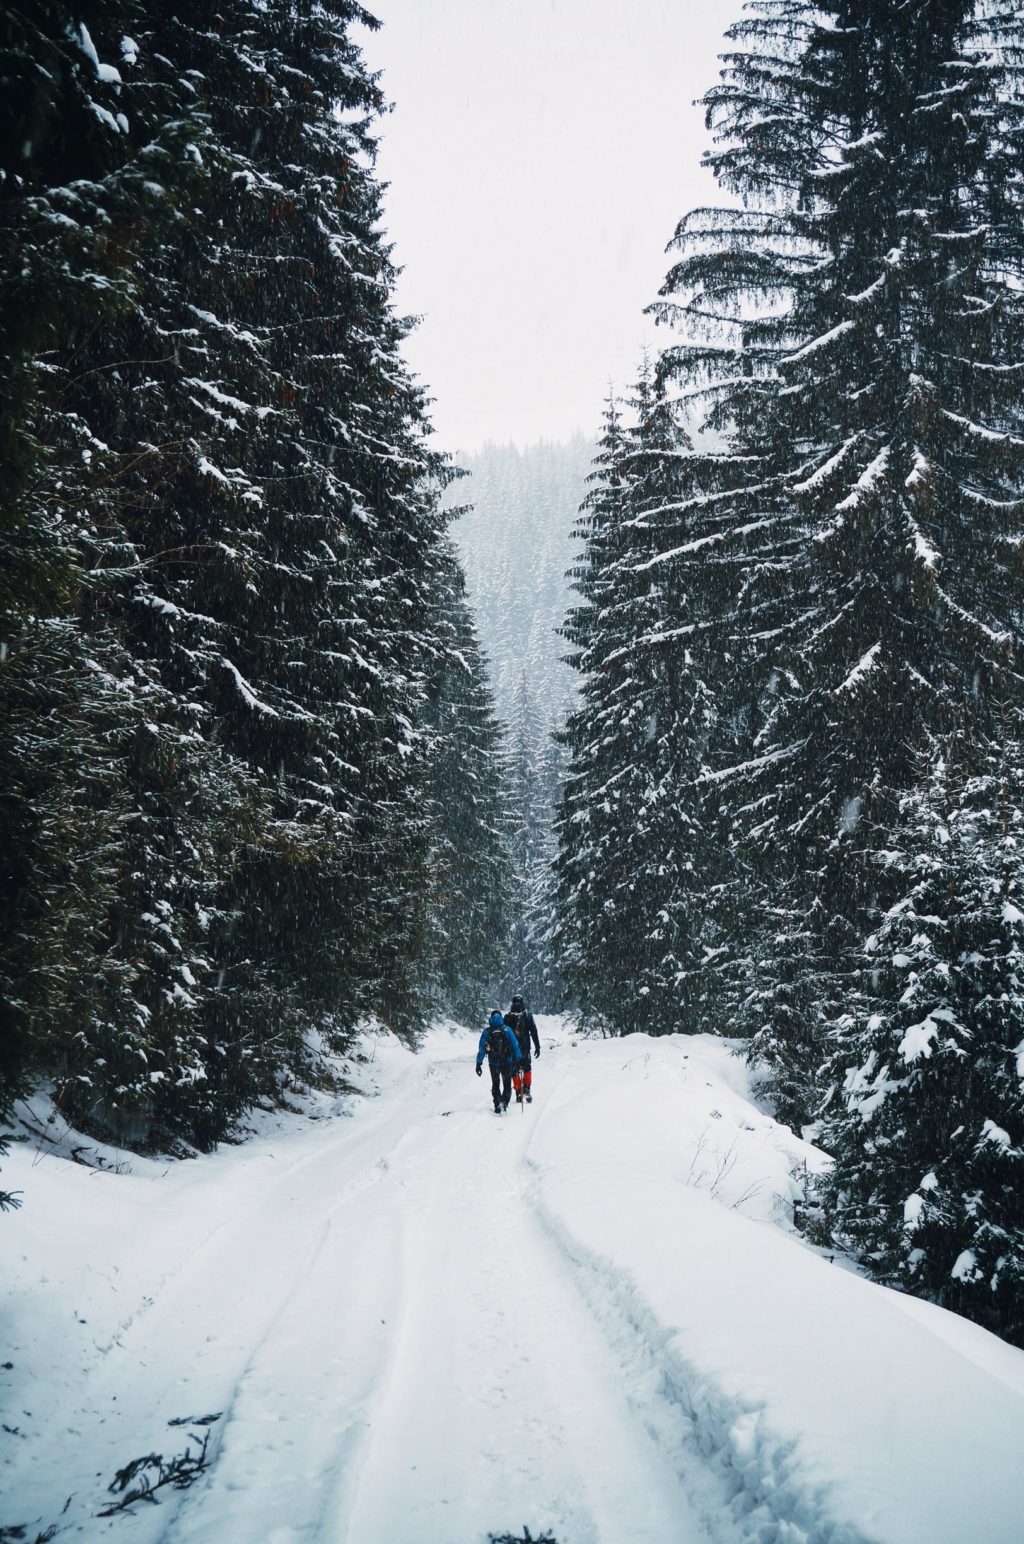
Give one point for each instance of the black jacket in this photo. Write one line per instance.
(525, 1030)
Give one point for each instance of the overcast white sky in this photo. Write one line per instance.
(540, 154)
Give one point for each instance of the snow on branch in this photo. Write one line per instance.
(865, 297)
(226, 400)
(758, 764)
(919, 485)
(83, 40)
(715, 539)
(867, 483)
(979, 432)
(871, 142)
(246, 692)
(1001, 639)
(862, 669)
(824, 472)
(817, 344)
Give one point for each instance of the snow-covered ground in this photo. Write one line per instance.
(420, 1323)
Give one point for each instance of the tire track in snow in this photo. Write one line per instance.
(293, 1447)
(218, 1301)
(244, 1203)
(496, 1356)
(660, 1400)
(300, 1414)
(290, 1449)
(736, 1484)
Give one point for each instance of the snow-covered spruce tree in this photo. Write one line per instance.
(552, 770)
(856, 326)
(258, 568)
(286, 558)
(470, 895)
(627, 837)
(674, 862)
(528, 967)
(88, 162)
(928, 1128)
(137, 813)
(591, 949)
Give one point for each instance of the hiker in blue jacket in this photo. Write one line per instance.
(500, 1046)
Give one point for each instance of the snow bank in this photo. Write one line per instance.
(836, 1411)
(100, 1313)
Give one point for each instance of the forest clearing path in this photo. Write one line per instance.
(394, 1341)
(435, 1374)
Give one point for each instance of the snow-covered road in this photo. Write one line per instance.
(429, 1374)
(393, 1338)
(425, 1323)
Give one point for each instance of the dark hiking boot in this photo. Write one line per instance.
(529, 1098)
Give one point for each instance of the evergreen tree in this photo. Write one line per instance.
(855, 326)
(471, 892)
(529, 968)
(88, 163)
(677, 865)
(854, 333)
(592, 949)
(630, 829)
(218, 672)
(928, 1126)
(285, 557)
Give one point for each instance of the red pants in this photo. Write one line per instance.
(522, 1080)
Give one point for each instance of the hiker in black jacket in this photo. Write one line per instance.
(520, 1021)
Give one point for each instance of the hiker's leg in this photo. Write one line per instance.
(506, 1085)
(496, 1084)
(528, 1076)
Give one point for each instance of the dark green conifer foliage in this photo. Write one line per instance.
(677, 866)
(88, 164)
(591, 946)
(853, 331)
(855, 326)
(282, 556)
(220, 798)
(630, 827)
(534, 776)
(927, 1124)
(470, 895)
